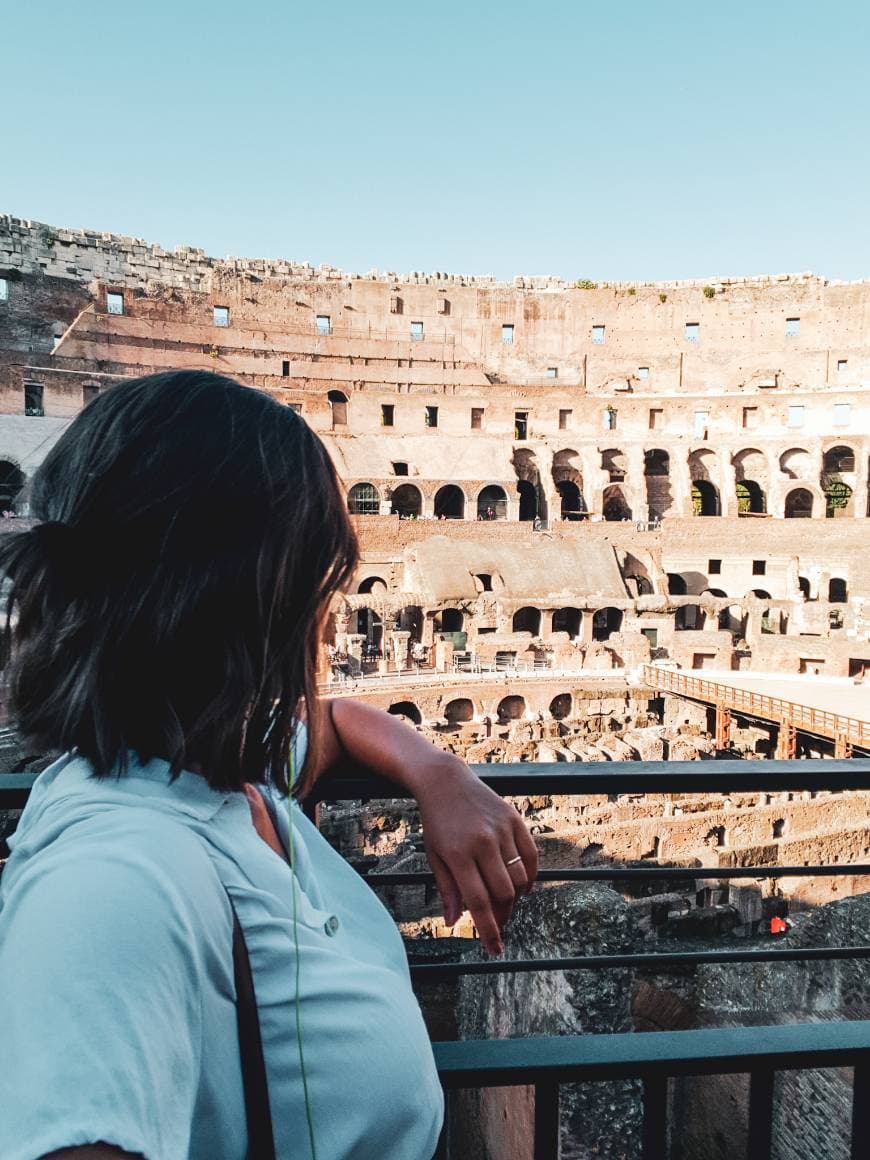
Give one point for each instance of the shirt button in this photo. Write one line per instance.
(331, 925)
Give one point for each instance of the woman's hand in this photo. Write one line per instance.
(481, 853)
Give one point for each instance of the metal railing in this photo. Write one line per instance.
(820, 722)
(653, 1058)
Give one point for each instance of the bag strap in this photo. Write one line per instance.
(261, 1143)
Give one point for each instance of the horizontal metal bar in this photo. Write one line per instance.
(640, 873)
(594, 777)
(437, 972)
(638, 1055)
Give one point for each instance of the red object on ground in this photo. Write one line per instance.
(778, 926)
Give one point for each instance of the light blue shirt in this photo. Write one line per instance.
(117, 1013)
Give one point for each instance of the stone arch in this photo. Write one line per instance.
(512, 708)
(527, 619)
(529, 490)
(705, 498)
(657, 471)
(677, 585)
(614, 504)
(449, 620)
(689, 618)
(561, 706)
(605, 622)
(338, 408)
(838, 590)
(363, 499)
(838, 460)
(751, 476)
(459, 710)
(528, 497)
(799, 503)
(450, 502)
(492, 503)
(804, 586)
(751, 500)
(615, 463)
(372, 584)
(408, 710)
(796, 463)
(568, 479)
(568, 620)
(732, 619)
(406, 501)
(572, 504)
(12, 480)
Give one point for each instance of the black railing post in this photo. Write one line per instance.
(860, 1111)
(547, 1120)
(760, 1114)
(655, 1118)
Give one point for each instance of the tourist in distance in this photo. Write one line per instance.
(167, 615)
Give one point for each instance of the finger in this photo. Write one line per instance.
(513, 863)
(502, 891)
(447, 888)
(477, 898)
(527, 850)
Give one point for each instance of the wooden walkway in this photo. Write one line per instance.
(790, 717)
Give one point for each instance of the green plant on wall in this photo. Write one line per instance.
(709, 292)
(48, 237)
(632, 290)
(837, 496)
(585, 284)
(663, 297)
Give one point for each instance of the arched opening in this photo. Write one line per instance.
(11, 483)
(511, 709)
(837, 590)
(799, 504)
(449, 503)
(567, 620)
(796, 463)
(705, 498)
(560, 707)
(750, 498)
(716, 836)
(615, 464)
(338, 408)
(406, 501)
(614, 505)
(731, 620)
(483, 581)
(779, 828)
(372, 584)
(408, 710)
(449, 620)
(410, 619)
(370, 625)
(760, 593)
(528, 494)
(804, 586)
(689, 618)
(527, 620)
(459, 711)
(657, 470)
(605, 622)
(838, 460)
(573, 506)
(492, 503)
(677, 586)
(363, 499)
(720, 592)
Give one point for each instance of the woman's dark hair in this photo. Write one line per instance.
(171, 600)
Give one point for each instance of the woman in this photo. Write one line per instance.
(166, 621)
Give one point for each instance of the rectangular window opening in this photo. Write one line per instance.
(842, 363)
(759, 567)
(396, 305)
(4, 289)
(114, 302)
(552, 372)
(656, 418)
(33, 399)
(416, 332)
(89, 392)
(750, 417)
(285, 369)
(610, 419)
(323, 324)
(792, 327)
(507, 334)
(431, 416)
(521, 424)
(598, 335)
(565, 419)
(842, 414)
(444, 306)
(221, 315)
(297, 407)
(702, 422)
(477, 418)
(693, 331)
(714, 567)
(387, 413)
(643, 372)
(796, 415)
(400, 468)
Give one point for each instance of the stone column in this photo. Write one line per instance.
(399, 648)
(727, 484)
(859, 496)
(681, 482)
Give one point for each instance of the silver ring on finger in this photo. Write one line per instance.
(513, 861)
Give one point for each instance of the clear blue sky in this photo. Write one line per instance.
(642, 139)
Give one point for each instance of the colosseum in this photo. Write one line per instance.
(599, 522)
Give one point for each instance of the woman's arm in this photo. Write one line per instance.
(471, 834)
